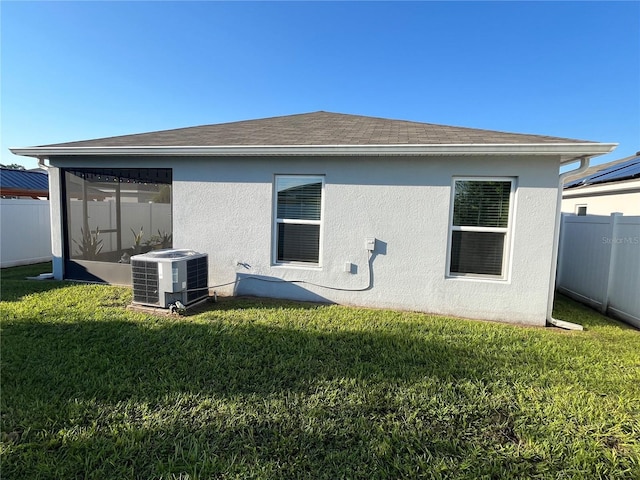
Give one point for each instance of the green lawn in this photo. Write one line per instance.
(263, 389)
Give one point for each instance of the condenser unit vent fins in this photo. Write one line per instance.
(145, 282)
(161, 278)
(197, 278)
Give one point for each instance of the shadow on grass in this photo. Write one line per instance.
(570, 310)
(14, 284)
(244, 302)
(23, 271)
(54, 373)
(117, 360)
(276, 391)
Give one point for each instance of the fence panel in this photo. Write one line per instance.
(599, 263)
(624, 286)
(25, 232)
(583, 259)
(152, 217)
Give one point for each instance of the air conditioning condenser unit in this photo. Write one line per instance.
(161, 278)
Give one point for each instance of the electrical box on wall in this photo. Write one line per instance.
(370, 243)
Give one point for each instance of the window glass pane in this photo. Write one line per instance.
(477, 252)
(113, 214)
(299, 198)
(298, 243)
(481, 204)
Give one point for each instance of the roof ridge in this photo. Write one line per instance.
(320, 128)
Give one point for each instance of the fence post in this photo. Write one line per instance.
(611, 251)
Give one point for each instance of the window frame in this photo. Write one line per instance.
(507, 231)
(578, 209)
(276, 221)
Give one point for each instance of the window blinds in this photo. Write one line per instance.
(298, 201)
(479, 227)
(482, 204)
(298, 218)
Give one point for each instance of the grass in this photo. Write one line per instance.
(254, 388)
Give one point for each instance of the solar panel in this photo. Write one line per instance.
(621, 171)
(629, 171)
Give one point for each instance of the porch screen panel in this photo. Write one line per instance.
(113, 213)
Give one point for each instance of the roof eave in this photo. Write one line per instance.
(568, 152)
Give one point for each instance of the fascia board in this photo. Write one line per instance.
(567, 151)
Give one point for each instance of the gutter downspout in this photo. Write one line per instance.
(41, 163)
(584, 164)
(54, 212)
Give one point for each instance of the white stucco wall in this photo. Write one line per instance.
(55, 204)
(224, 207)
(604, 199)
(406, 207)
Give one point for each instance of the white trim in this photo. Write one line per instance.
(459, 228)
(508, 231)
(298, 221)
(568, 152)
(276, 221)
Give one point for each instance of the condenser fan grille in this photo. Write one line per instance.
(197, 278)
(145, 282)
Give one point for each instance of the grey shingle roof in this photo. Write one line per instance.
(319, 128)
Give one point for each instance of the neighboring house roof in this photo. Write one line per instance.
(619, 170)
(323, 133)
(23, 183)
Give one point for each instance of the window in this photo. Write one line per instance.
(581, 210)
(298, 218)
(480, 227)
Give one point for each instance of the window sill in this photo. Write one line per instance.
(478, 278)
(297, 266)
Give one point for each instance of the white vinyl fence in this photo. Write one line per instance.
(599, 263)
(151, 217)
(25, 228)
(25, 232)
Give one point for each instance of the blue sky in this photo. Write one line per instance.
(79, 70)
